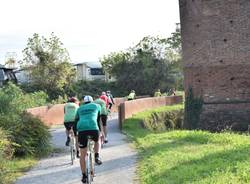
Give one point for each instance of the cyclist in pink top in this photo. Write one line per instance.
(105, 99)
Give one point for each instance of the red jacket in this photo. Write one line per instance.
(105, 99)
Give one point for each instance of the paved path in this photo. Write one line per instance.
(117, 156)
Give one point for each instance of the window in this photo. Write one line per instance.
(96, 71)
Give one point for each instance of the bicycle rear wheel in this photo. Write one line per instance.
(88, 169)
(72, 150)
(72, 153)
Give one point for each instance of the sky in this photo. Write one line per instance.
(88, 29)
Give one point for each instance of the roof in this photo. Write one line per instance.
(3, 67)
(91, 64)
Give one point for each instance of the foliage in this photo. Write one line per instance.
(48, 64)
(151, 64)
(14, 168)
(193, 108)
(13, 99)
(164, 118)
(93, 88)
(6, 152)
(189, 156)
(28, 133)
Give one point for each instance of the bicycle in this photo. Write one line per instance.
(90, 161)
(72, 146)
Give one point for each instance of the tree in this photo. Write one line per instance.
(11, 59)
(48, 64)
(149, 65)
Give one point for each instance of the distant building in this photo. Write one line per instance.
(6, 74)
(22, 75)
(89, 71)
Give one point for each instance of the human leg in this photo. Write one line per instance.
(67, 130)
(104, 124)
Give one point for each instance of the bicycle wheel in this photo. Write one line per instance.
(88, 169)
(72, 154)
(72, 150)
(92, 166)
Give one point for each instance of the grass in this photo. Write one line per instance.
(182, 156)
(16, 168)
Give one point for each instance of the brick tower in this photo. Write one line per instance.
(216, 56)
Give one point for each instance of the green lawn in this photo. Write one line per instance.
(182, 156)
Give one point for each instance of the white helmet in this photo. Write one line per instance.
(88, 99)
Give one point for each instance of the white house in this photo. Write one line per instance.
(89, 71)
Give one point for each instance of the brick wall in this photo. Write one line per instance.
(128, 108)
(50, 115)
(216, 55)
(54, 115)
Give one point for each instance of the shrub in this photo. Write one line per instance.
(13, 99)
(6, 152)
(193, 108)
(30, 135)
(160, 121)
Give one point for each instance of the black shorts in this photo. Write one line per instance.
(83, 137)
(69, 125)
(104, 119)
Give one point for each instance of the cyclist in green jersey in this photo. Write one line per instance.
(104, 116)
(88, 125)
(70, 110)
(131, 95)
(157, 93)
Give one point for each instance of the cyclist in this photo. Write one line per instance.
(110, 99)
(104, 116)
(88, 125)
(70, 110)
(157, 93)
(131, 95)
(105, 99)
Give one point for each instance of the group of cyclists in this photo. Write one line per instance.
(88, 119)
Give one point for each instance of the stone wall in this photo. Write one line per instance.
(216, 55)
(128, 108)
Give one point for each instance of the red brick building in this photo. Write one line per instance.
(216, 55)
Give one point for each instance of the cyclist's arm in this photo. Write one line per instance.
(112, 99)
(98, 121)
(77, 117)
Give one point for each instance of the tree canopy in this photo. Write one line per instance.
(48, 64)
(151, 64)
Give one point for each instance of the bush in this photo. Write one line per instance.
(29, 134)
(160, 121)
(6, 152)
(13, 99)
